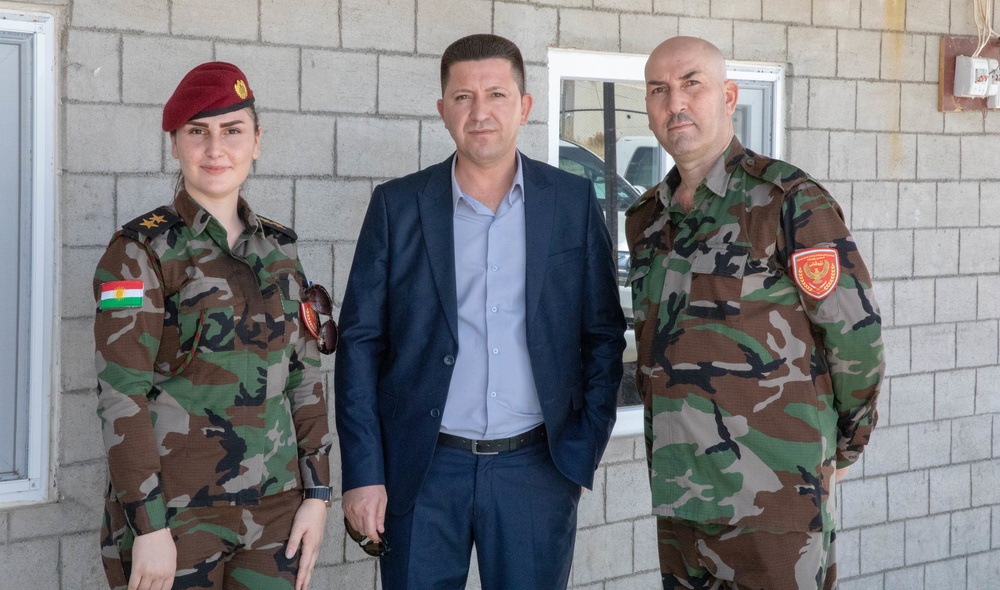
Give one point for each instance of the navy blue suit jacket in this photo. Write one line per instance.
(399, 327)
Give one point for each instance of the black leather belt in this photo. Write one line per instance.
(494, 447)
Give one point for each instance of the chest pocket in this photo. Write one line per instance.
(717, 281)
(205, 317)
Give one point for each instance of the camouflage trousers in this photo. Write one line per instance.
(700, 556)
(220, 547)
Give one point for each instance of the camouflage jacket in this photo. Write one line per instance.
(209, 390)
(754, 390)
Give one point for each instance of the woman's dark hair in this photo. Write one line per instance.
(479, 47)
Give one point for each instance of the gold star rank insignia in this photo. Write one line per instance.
(153, 221)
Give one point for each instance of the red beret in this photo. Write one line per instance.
(213, 88)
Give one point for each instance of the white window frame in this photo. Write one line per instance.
(42, 370)
(622, 67)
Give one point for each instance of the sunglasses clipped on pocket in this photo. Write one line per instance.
(317, 302)
(373, 548)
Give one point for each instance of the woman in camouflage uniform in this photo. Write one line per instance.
(212, 410)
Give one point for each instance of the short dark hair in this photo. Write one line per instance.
(479, 47)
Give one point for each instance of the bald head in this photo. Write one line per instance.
(691, 50)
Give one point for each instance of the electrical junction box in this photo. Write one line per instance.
(974, 76)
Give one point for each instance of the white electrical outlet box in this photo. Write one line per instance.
(972, 76)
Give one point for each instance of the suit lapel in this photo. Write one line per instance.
(437, 224)
(539, 212)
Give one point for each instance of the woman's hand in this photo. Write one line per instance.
(154, 561)
(307, 533)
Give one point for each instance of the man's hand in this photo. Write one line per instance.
(307, 532)
(154, 561)
(364, 508)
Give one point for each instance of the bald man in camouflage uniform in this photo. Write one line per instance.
(759, 346)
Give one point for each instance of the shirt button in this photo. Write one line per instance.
(435, 413)
(493, 394)
(493, 309)
(496, 351)
(493, 268)
(449, 360)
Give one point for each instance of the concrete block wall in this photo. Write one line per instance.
(347, 91)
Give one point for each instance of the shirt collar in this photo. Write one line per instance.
(197, 218)
(717, 179)
(512, 194)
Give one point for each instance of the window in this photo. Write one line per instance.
(27, 239)
(598, 129)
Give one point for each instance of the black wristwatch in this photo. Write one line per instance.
(323, 493)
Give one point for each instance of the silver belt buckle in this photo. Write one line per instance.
(475, 451)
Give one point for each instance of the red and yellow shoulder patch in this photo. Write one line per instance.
(816, 271)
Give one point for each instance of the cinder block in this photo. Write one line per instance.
(929, 16)
(945, 574)
(797, 90)
(465, 17)
(138, 195)
(282, 150)
(270, 197)
(755, 41)
(80, 562)
(680, 7)
(623, 5)
(643, 32)
(925, 539)
(931, 59)
(646, 555)
(343, 256)
(905, 579)
(33, 564)
(893, 254)
(914, 302)
(649, 579)
(917, 204)
(3, 528)
(395, 141)
(592, 503)
(848, 553)
(984, 476)
(888, 451)
(785, 11)
(874, 205)
(364, 24)
(875, 582)
(880, 15)
(436, 143)
(81, 502)
(865, 242)
(937, 157)
(897, 156)
(979, 157)
(717, 32)
(983, 569)
(77, 349)
(918, 110)
(852, 155)
(950, 488)
(963, 20)
(957, 299)
(331, 552)
(989, 203)
(980, 251)
(588, 29)
(970, 531)
(533, 141)
(330, 209)
(864, 502)
(913, 398)
(92, 65)
(401, 78)
(358, 574)
(88, 202)
(628, 494)
(236, 19)
(150, 16)
(815, 50)
(857, 51)
(930, 444)
(909, 495)
(152, 67)
(132, 144)
(902, 55)
(845, 14)
(954, 393)
(338, 81)
(882, 547)
(897, 351)
(603, 552)
(620, 449)
(533, 28)
(977, 344)
(317, 261)
(959, 123)
(832, 104)
(537, 85)
(750, 10)
(989, 303)
(933, 346)
(571, 3)
(935, 252)
(810, 150)
(305, 22)
(842, 193)
(273, 73)
(78, 266)
(988, 390)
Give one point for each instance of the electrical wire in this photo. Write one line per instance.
(983, 11)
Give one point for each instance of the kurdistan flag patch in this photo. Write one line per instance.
(119, 294)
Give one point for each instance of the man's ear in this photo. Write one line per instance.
(732, 92)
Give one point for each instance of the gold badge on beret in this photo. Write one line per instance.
(241, 89)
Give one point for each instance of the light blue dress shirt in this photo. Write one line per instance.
(492, 393)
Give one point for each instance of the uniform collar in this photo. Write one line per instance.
(197, 218)
(716, 181)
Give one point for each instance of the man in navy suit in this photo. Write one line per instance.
(481, 349)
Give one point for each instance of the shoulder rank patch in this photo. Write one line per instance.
(816, 271)
(277, 227)
(120, 294)
(153, 223)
